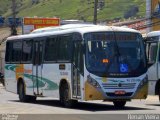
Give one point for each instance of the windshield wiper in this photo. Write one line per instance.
(123, 64)
(116, 54)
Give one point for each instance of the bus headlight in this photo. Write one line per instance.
(93, 82)
(143, 82)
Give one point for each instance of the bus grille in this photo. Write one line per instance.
(119, 85)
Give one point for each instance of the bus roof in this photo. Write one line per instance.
(153, 33)
(59, 28)
(70, 28)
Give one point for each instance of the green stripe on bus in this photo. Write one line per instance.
(41, 81)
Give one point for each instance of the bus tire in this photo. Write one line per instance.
(159, 94)
(21, 92)
(3, 83)
(64, 97)
(31, 98)
(22, 95)
(119, 104)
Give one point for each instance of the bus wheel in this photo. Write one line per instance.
(119, 104)
(64, 97)
(22, 96)
(31, 98)
(3, 83)
(159, 94)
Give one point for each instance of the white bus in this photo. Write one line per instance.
(153, 55)
(77, 63)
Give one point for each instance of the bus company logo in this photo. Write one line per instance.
(133, 80)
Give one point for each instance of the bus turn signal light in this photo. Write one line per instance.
(105, 61)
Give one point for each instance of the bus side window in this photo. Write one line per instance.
(8, 56)
(152, 53)
(37, 51)
(50, 50)
(64, 50)
(27, 51)
(16, 52)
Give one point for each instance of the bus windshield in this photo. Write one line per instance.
(115, 54)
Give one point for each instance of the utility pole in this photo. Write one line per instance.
(148, 15)
(95, 12)
(13, 25)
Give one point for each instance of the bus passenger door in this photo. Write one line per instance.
(37, 68)
(77, 70)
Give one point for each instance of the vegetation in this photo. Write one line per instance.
(74, 9)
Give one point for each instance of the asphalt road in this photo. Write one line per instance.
(49, 108)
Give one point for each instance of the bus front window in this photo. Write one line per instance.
(119, 54)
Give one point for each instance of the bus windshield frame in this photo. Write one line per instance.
(115, 54)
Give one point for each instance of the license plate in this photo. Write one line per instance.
(120, 92)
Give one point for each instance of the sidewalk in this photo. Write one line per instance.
(152, 98)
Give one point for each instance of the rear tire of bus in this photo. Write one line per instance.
(32, 98)
(119, 104)
(21, 92)
(64, 97)
(22, 95)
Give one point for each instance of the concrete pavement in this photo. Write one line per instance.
(9, 103)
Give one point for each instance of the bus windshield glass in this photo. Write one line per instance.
(115, 54)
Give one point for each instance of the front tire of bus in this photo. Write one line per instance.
(64, 97)
(119, 104)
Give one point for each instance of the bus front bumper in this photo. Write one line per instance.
(94, 93)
